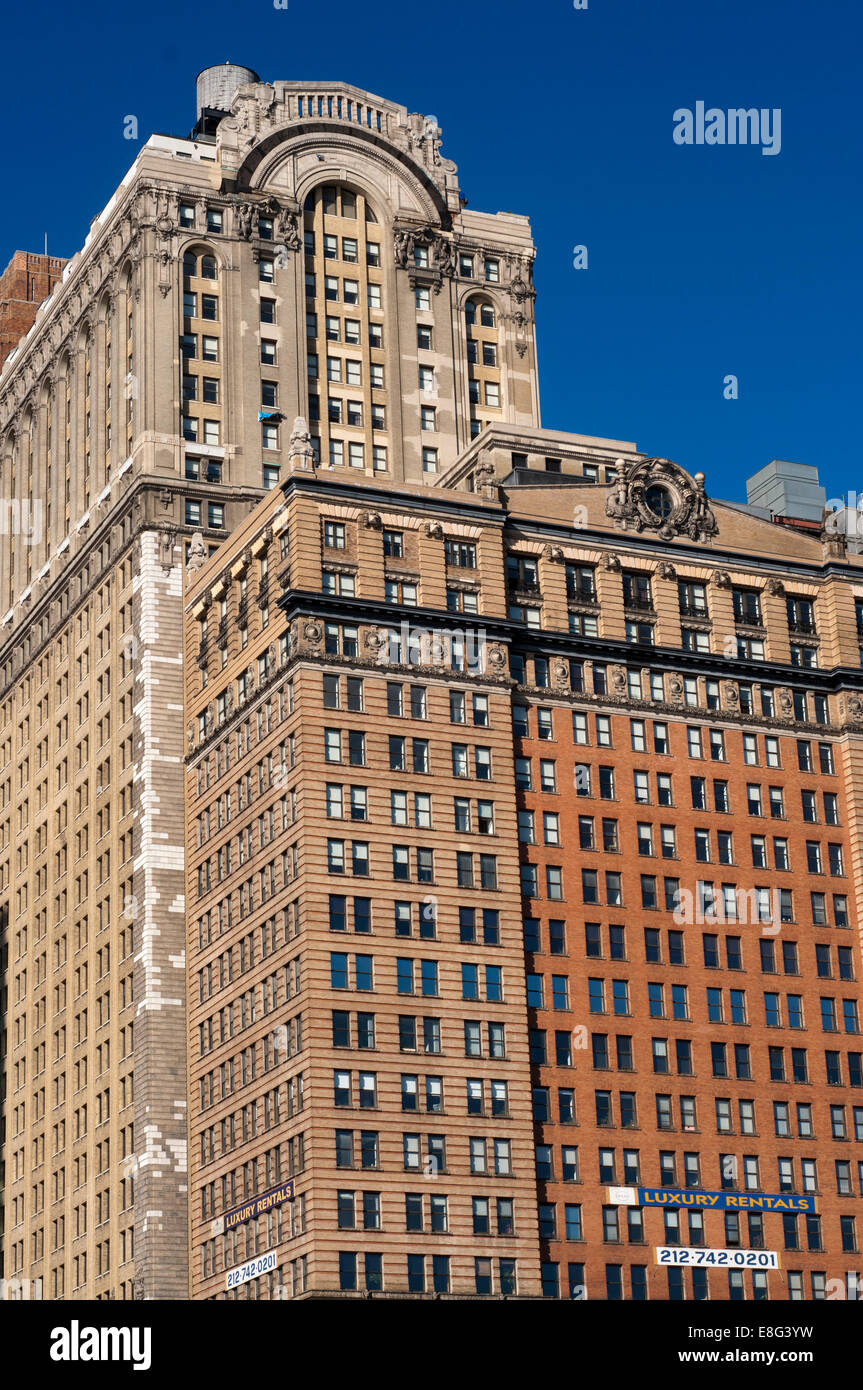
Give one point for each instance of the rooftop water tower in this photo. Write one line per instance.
(215, 88)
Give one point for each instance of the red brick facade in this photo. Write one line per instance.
(26, 281)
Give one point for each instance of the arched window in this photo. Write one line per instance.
(200, 265)
(349, 372)
(479, 311)
(483, 362)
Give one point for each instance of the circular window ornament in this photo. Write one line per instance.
(658, 495)
(659, 501)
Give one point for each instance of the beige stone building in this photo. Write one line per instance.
(147, 402)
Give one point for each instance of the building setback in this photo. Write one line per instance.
(629, 840)
(429, 844)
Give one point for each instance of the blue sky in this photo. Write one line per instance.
(702, 261)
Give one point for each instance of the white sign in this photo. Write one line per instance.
(243, 1273)
(720, 1259)
(623, 1196)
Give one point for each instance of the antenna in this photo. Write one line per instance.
(46, 243)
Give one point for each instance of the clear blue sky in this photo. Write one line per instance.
(703, 261)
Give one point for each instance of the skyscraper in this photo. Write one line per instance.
(536, 981)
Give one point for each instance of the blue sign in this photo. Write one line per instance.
(259, 1205)
(723, 1201)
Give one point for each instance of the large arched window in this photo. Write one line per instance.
(202, 356)
(348, 404)
(483, 362)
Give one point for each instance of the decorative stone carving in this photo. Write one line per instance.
(775, 588)
(618, 680)
(785, 701)
(658, 495)
(313, 632)
(243, 216)
(675, 690)
(166, 547)
(521, 324)
(854, 707)
(441, 252)
(190, 736)
(560, 674)
(288, 233)
(554, 553)
(667, 571)
(300, 445)
(373, 641)
(371, 521)
(521, 286)
(484, 478)
(722, 579)
(731, 695)
(495, 656)
(611, 563)
(433, 530)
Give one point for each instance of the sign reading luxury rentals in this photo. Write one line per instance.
(257, 1207)
(709, 1201)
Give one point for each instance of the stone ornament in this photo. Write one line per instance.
(618, 680)
(731, 695)
(166, 548)
(667, 571)
(785, 701)
(496, 657)
(658, 495)
(554, 553)
(433, 530)
(854, 706)
(300, 445)
(198, 552)
(371, 521)
(521, 286)
(722, 579)
(441, 252)
(775, 588)
(611, 563)
(560, 674)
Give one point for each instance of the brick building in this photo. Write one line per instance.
(26, 281)
(644, 705)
